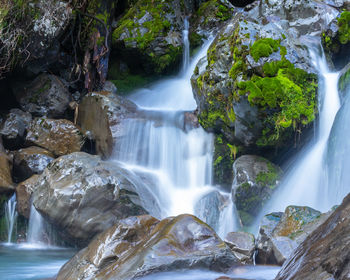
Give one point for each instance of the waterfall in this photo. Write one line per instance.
(305, 183)
(186, 43)
(167, 149)
(10, 216)
(35, 233)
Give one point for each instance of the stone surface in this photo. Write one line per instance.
(14, 127)
(30, 161)
(100, 118)
(324, 254)
(60, 137)
(139, 246)
(242, 245)
(255, 179)
(6, 184)
(47, 95)
(81, 196)
(281, 233)
(24, 192)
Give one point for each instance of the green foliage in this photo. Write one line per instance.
(131, 82)
(264, 48)
(344, 27)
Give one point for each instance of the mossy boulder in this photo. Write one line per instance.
(257, 87)
(336, 39)
(150, 35)
(255, 179)
(280, 233)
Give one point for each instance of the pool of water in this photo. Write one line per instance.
(245, 272)
(25, 261)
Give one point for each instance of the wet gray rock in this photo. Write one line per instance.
(14, 127)
(81, 196)
(142, 245)
(60, 137)
(101, 116)
(255, 179)
(324, 254)
(242, 245)
(30, 161)
(47, 95)
(281, 233)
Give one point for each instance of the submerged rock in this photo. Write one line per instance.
(60, 137)
(47, 96)
(24, 192)
(281, 233)
(81, 196)
(242, 245)
(138, 246)
(100, 118)
(255, 179)
(324, 254)
(14, 127)
(30, 161)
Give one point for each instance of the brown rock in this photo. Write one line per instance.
(325, 253)
(6, 184)
(60, 137)
(129, 250)
(24, 192)
(100, 117)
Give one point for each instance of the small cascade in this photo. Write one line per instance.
(228, 217)
(10, 216)
(186, 46)
(306, 182)
(36, 227)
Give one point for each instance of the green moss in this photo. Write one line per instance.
(268, 178)
(344, 81)
(131, 82)
(344, 27)
(216, 9)
(264, 48)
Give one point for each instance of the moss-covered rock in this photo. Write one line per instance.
(255, 179)
(257, 87)
(151, 30)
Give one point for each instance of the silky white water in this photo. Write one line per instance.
(172, 154)
(10, 216)
(305, 183)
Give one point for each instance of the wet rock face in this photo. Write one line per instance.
(100, 117)
(81, 195)
(324, 254)
(281, 233)
(30, 161)
(6, 184)
(255, 179)
(60, 137)
(258, 51)
(47, 95)
(24, 192)
(242, 245)
(14, 127)
(181, 242)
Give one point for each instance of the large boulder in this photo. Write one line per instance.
(255, 179)
(150, 35)
(257, 86)
(6, 184)
(101, 116)
(30, 161)
(24, 192)
(14, 128)
(81, 195)
(281, 233)
(60, 137)
(324, 254)
(242, 245)
(47, 95)
(142, 245)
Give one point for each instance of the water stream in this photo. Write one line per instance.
(10, 216)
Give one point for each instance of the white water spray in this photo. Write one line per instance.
(167, 150)
(10, 216)
(36, 227)
(305, 183)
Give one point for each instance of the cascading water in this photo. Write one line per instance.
(306, 182)
(170, 153)
(36, 227)
(10, 216)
